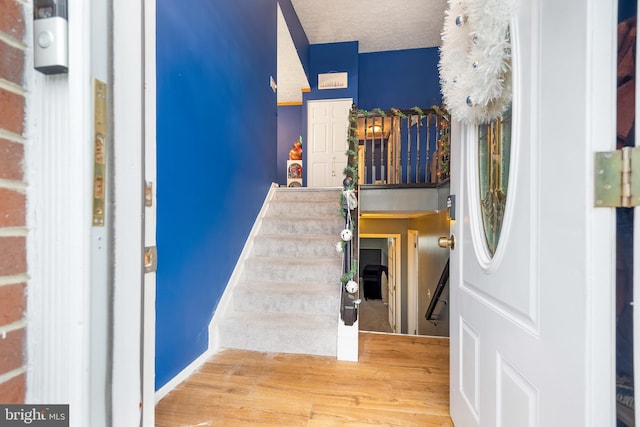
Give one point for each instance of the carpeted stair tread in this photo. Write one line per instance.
(302, 226)
(281, 297)
(288, 296)
(280, 332)
(304, 246)
(293, 269)
(308, 194)
(295, 209)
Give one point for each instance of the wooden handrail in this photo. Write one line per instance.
(444, 279)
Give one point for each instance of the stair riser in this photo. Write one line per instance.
(307, 195)
(267, 339)
(301, 210)
(254, 300)
(284, 226)
(259, 269)
(296, 247)
(288, 298)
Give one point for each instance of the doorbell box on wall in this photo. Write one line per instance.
(50, 36)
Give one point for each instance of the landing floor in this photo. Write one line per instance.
(399, 381)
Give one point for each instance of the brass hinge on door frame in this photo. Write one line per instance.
(150, 259)
(615, 183)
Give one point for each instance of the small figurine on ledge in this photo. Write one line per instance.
(296, 152)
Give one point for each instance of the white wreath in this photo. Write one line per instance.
(475, 59)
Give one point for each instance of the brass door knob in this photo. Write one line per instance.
(447, 242)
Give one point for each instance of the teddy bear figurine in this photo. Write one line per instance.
(296, 152)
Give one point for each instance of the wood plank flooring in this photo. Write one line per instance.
(398, 381)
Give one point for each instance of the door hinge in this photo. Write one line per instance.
(616, 184)
(148, 194)
(150, 259)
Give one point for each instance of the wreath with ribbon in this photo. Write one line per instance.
(475, 59)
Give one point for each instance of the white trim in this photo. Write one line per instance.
(182, 375)
(100, 247)
(58, 169)
(127, 89)
(224, 306)
(413, 265)
(150, 175)
(226, 301)
(310, 157)
(600, 112)
(398, 245)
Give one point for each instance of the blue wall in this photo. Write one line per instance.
(328, 58)
(399, 79)
(216, 125)
(333, 57)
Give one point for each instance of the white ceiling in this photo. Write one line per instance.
(377, 26)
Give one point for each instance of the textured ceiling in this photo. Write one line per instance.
(291, 77)
(376, 25)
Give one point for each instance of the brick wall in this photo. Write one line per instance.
(13, 264)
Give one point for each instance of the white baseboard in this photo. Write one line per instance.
(183, 375)
(226, 300)
(223, 306)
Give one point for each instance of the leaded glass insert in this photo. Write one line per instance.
(494, 153)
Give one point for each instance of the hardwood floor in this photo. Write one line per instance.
(398, 381)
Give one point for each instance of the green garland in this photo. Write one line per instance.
(352, 154)
(351, 273)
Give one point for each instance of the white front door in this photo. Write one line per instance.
(532, 324)
(327, 131)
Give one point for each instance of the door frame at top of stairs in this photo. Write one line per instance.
(310, 140)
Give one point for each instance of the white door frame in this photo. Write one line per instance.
(398, 287)
(310, 141)
(412, 282)
(58, 153)
(392, 268)
(128, 102)
(150, 176)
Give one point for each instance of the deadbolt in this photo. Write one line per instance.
(447, 242)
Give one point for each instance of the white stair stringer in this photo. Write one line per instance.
(285, 296)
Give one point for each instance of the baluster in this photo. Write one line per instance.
(439, 135)
(398, 152)
(427, 173)
(409, 149)
(418, 141)
(373, 151)
(383, 168)
(383, 179)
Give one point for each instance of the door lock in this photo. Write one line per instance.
(447, 242)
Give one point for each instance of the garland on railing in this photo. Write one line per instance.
(348, 199)
(444, 144)
(351, 273)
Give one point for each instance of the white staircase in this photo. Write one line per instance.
(287, 296)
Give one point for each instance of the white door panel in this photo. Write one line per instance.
(327, 131)
(525, 347)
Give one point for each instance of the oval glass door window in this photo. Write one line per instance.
(494, 154)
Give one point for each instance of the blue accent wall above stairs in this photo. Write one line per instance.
(216, 154)
(399, 79)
